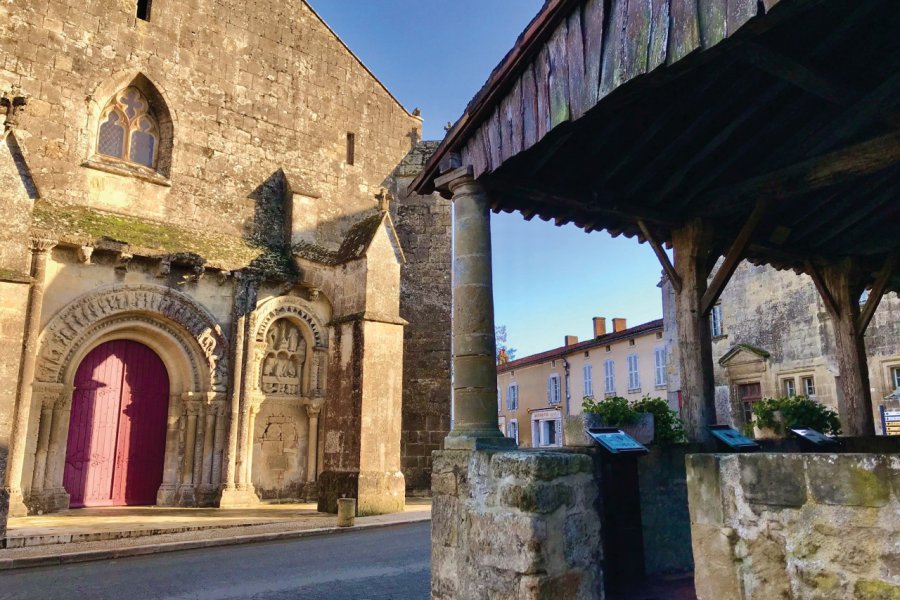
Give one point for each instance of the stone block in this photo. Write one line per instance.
(518, 549)
(875, 590)
(704, 491)
(849, 479)
(544, 466)
(894, 462)
(536, 497)
(773, 479)
(716, 567)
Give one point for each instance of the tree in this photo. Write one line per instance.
(504, 352)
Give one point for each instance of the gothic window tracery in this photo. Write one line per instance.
(282, 367)
(129, 130)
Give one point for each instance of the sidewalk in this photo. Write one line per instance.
(104, 533)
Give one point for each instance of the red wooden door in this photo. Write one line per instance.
(118, 427)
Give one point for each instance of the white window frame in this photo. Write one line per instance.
(789, 386)
(809, 390)
(634, 373)
(512, 397)
(895, 377)
(587, 372)
(554, 390)
(715, 321)
(609, 375)
(513, 423)
(499, 400)
(659, 355)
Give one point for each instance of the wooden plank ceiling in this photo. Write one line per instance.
(607, 113)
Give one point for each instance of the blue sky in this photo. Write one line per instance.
(548, 281)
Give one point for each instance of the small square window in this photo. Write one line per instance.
(809, 387)
(143, 9)
(609, 348)
(552, 363)
(631, 342)
(790, 387)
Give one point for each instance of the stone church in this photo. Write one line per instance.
(205, 289)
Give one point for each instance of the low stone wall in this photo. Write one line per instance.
(515, 525)
(795, 526)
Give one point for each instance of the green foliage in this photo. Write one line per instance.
(613, 411)
(796, 411)
(616, 411)
(668, 428)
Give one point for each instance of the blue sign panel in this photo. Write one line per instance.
(814, 437)
(615, 441)
(733, 439)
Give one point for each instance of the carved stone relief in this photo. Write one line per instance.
(285, 357)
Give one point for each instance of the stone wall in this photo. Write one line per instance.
(798, 527)
(423, 226)
(515, 526)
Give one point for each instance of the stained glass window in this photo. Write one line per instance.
(128, 129)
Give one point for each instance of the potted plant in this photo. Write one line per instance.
(774, 417)
(609, 412)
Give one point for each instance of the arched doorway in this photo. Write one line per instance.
(117, 432)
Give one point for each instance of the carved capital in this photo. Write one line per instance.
(314, 294)
(314, 407)
(84, 254)
(191, 409)
(164, 267)
(42, 245)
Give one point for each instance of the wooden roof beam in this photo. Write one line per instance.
(816, 275)
(816, 173)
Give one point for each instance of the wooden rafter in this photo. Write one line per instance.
(816, 173)
(816, 275)
(735, 254)
(667, 266)
(876, 294)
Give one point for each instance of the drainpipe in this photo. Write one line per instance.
(568, 396)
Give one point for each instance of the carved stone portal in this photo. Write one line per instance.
(285, 357)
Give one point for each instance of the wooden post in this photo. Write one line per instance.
(841, 285)
(692, 248)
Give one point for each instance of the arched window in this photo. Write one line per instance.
(129, 129)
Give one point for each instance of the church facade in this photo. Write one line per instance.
(200, 268)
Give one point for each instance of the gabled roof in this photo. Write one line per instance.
(603, 340)
(738, 348)
(355, 245)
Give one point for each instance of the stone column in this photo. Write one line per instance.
(474, 346)
(252, 411)
(209, 432)
(43, 446)
(237, 377)
(186, 491)
(55, 497)
(40, 250)
(166, 496)
(219, 443)
(312, 449)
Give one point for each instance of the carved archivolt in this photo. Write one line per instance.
(105, 308)
(287, 306)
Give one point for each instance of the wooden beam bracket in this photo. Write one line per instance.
(667, 266)
(830, 303)
(876, 294)
(733, 257)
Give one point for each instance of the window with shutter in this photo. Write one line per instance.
(660, 354)
(588, 383)
(609, 374)
(634, 379)
(553, 389)
(512, 397)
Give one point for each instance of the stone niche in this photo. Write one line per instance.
(281, 437)
(795, 526)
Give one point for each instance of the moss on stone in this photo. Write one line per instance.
(875, 590)
(82, 225)
(14, 276)
(869, 488)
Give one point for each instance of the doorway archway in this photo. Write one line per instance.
(117, 431)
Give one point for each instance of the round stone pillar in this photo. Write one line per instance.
(474, 345)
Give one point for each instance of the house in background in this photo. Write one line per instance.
(772, 337)
(535, 392)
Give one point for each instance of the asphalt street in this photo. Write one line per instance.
(390, 563)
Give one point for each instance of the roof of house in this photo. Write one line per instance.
(562, 351)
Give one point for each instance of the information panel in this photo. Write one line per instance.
(733, 439)
(890, 420)
(616, 441)
(814, 437)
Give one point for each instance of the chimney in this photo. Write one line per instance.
(599, 326)
(619, 325)
(571, 340)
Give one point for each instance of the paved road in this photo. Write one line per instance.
(379, 564)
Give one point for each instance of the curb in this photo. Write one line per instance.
(9, 564)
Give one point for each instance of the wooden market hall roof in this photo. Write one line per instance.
(637, 116)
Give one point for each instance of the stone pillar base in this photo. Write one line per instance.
(17, 506)
(334, 485)
(515, 525)
(380, 493)
(208, 495)
(185, 496)
(48, 501)
(166, 495)
(238, 498)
